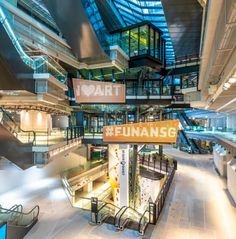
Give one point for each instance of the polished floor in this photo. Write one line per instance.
(197, 207)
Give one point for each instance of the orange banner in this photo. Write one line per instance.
(153, 132)
(88, 91)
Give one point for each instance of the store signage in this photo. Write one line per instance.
(88, 91)
(153, 132)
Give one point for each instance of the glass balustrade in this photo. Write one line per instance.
(17, 28)
(70, 173)
(221, 132)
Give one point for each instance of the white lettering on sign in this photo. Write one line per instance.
(98, 90)
(133, 131)
(89, 91)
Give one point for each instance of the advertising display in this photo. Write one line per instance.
(88, 91)
(152, 132)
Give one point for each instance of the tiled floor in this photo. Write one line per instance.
(197, 207)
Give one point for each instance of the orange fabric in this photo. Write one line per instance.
(88, 91)
(152, 132)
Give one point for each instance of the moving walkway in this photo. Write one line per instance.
(18, 222)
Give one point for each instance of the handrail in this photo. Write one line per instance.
(105, 204)
(166, 183)
(127, 207)
(22, 214)
(139, 225)
(35, 64)
(115, 218)
(25, 131)
(13, 208)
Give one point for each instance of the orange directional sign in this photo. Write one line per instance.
(153, 132)
(88, 91)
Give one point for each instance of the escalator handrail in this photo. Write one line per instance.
(13, 208)
(26, 214)
(119, 220)
(25, 131)
(122, 208)
(139, 225)
(105, 204)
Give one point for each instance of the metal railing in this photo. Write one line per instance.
(74, 132)
(160, 201)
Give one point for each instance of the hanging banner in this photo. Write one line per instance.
(88, 91)
(153, 132)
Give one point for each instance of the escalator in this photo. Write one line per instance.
(191, 145)
(187, 120)
(16, 144)
(18, 222)
(122, 218)
(17, 51)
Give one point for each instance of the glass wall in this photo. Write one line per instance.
(125, 41)
(142, 40)
(134, 42)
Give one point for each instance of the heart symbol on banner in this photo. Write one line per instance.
(88, 89)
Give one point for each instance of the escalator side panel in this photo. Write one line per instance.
(12, 149)
(15, 75)
(18, 232)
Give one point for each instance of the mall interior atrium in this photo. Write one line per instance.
(117, 119)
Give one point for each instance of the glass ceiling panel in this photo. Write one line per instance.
(134, 11)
